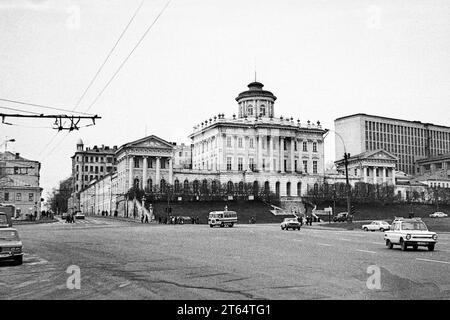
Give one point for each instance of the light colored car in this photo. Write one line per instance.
(376, 225)
(438, 215)
(10, 245)
(410, 232)
(290, 223)
(79, 215)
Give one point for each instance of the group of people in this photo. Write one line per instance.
(70, 218)
(177, 220)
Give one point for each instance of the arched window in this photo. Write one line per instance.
(214, 186)
(136, 183)
(241, 187)
(288, 189)
(205, 186)
(266, 187)
(195, 186)
(314, 146)
(177, 186)
(186, 186)
(255, 188)
(163, 186)
(316, 187)
(230, 187)
(149, 185)
(299, 189)
(262, 109)
(250, 110)
(277, 188)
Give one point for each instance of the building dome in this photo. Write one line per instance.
(255, 90)
(256, 102)
(80, 142)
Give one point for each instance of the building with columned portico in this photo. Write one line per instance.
(254, 146)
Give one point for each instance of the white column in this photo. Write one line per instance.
(144, 173)
(130, 171)
(375, 175)
(224, 154)
(158, 173)
(393, 176)
(365, 172)
(170, 171)
(282, 168)
(292, 156)
(246, 151)
(271, 166)
(384, 174)
(260, 153)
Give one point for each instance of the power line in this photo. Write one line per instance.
(98, 71)
(129, 55)
(20, 110)
(109, 55)
(42, 106)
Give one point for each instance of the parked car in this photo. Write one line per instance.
(410, 232)
(10, 245)
(5, 220)
(79, 215)
(290, 223)
(64, 215)
(340, 217)
(438, 215)
(376, 225)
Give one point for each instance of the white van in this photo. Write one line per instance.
(222, 218)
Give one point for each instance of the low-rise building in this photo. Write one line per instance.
(19, 184)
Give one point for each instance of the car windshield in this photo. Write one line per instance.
(290, 219)
(3, 221)
(416, 225)
(9, 235)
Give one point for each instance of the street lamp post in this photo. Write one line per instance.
(6, 142)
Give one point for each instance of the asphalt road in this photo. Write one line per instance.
(122, 260)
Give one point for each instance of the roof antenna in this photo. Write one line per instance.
(255, 69)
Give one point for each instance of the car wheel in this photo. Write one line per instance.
(222, 225)
(381, 229)
(365, 229)
(389, 244)
(403, 245)
(18, 260)
(415, 247)
(431, 247)
(211, 226)
(231, 225)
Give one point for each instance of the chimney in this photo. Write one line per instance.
(17, 155)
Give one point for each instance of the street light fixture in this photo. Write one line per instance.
(6, 142)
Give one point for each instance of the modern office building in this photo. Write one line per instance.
(409, 141)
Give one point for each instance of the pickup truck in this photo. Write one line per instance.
(410, 232)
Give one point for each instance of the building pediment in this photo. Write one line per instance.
(379, 155)
(150, 142)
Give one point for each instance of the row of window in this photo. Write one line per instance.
(93, 159)
(205, 146)
(162, 163)
(7, 197)
(95, 169)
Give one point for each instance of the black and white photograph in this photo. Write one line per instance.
(237, 153)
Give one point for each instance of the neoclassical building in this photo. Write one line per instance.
(255, 146)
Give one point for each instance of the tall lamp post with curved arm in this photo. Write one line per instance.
(346, 157)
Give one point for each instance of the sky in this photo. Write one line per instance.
(322, 59)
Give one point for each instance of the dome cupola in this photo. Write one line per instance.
(255, 101)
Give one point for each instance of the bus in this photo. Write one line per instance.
(222, 218)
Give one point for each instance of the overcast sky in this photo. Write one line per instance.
(322, 59)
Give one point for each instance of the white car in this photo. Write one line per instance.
(79, 215)
(10, 245)
(376, 225)
(410, 232)
(438, 215)
(290, 223)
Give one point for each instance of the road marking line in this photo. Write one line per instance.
(343, 239)
(430, 260)
(324, 244)
(124, 284)
(378, 243)
(367, 251)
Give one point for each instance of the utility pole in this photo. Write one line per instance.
(346, 157)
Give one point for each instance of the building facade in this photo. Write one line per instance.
(19, 184)
(281, 155)
(407, 140)
(89, 164)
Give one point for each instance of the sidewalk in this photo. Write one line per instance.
(124, 219)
